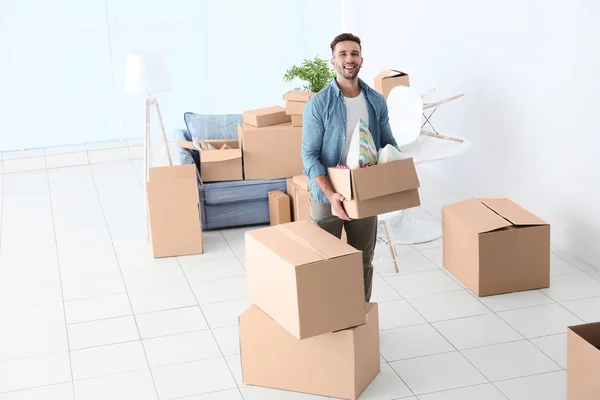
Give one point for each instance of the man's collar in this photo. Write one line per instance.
(338, 91)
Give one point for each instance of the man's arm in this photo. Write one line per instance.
(312, 140)
(387, 137)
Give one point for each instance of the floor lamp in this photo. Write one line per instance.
(145, 74)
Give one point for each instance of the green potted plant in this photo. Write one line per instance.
(315, 72)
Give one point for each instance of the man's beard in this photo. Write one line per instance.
(350, 75)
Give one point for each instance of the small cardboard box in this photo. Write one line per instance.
(495, 246)
(296, 95)
(221, 164)
(271, 151)
(301, 198)
(294, 107)
(279, 208)
(377, 189)
(307, 280)
(173, 211)
(389, 79)
(266, 116)
(297, 120)
(340, 364)
(583, 362)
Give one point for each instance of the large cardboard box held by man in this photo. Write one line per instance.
(271, 151)
(495, 246)
(339, 364)
(583, 362)
(306, 279)
(173, 211)
(377, 189)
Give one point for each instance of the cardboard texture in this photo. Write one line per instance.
(304, 278)
(296, 95)
(583, 362)
(389, 79)
(294, 107)
(271, 151)
(339, 364)
(377, 189)
(495, 246)
(173, 211)
(266, 116)
(299, 192)
(296, 120)
(279, 208)
(223, 164)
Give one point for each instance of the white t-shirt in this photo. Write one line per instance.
(356, 108)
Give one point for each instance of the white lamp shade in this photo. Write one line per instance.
(145, 73)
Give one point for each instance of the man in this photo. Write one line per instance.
(328, 123)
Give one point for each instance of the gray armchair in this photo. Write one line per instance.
(231, 203)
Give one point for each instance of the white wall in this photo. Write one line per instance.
(62, 62)
(531, 73)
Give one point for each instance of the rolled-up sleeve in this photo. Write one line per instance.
(387, 137)
(312, 140)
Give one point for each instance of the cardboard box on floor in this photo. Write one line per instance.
(495, 246)
(173, 211)
(306, 279)
(377, 189)
(266, 116)
(583, 362)
(279, 208)
(271, 151)
(389, 79)
(339, 364)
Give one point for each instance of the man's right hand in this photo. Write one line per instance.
(337, 208)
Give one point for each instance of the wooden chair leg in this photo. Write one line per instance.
(390, 245)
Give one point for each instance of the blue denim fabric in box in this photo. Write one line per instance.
(231, 203)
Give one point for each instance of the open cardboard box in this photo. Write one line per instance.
(389, 79)
(494, 246)
(583, 362)
(377, 189)
(306, 279)
(339, 364)
(222, 164)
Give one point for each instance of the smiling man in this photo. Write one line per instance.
(328, 123)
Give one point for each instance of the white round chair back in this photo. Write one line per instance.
(405, 111)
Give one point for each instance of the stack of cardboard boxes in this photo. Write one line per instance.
(308, 328)
(294, 105)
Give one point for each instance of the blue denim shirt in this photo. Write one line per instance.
(324, 130)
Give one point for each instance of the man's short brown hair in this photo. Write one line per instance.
(345, 37)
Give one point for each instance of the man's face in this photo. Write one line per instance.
(346, 59)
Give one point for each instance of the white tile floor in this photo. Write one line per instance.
(86, 313)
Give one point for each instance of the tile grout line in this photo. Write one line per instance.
(212, 332)
(123, 279)
(62, 294)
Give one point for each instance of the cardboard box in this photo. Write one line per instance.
(494, 246)
(221, 164)
(266, 116)
(339, 364)
(296, 120)
(377, 189)
(296, 95)
(307, 280)
(294, 107)
(271, 151)
(279, 208)
(173, 211)
(583, 362)
(389, 79)
(301, 198)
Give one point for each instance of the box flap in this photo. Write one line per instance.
(477, 216)
(383, 179)
(301, 242)
(172, 172)
(220, 155)
(390, 73)
(340, 181)
(512, 212)
(301, 181)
